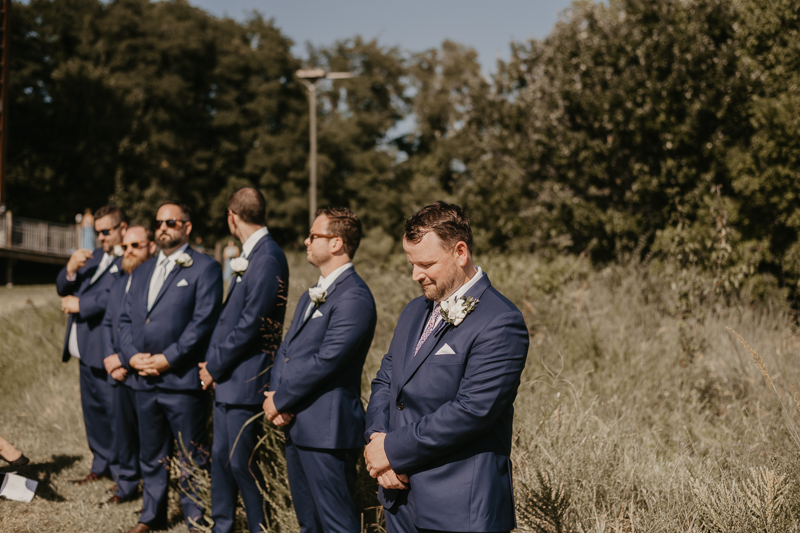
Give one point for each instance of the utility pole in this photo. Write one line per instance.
(310, 77)
(5, 11)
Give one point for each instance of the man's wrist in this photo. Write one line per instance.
(72, 277)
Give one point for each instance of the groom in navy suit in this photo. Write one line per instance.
(84, 286)
(439, 419)
(242, 347)
(315, 389)
(172, 306)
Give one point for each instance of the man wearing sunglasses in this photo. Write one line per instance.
(138, 246)
(84, 286)
(315, 389)
(172, 306)
(245, 339)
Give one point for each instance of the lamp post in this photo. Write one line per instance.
(310, 77)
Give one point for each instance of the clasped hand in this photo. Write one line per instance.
(378, 464)
(279, 419)
(149, 364)
(114, 367)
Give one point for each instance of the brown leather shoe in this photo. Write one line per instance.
(89, 479)
(116, 500)
(140, 528)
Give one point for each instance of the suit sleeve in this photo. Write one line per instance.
(351, 320)
(488, 388)
(380, 399)
(107, 334)
(63, 286)
(207, 303)
(246, 334)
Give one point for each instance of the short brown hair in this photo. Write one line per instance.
(344, 224)
(117, 212)
(187, 211)
(148, 232)
(447, 221)
(249, 204)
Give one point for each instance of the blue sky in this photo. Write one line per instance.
(414, 25)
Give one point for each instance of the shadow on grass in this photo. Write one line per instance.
(43, 473)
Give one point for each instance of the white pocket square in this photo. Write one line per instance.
(445, 350)
(316, 314)
(182, 283)
(113, 269)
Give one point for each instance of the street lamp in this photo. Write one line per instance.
(310, 77)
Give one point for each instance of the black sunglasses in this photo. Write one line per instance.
(134, 245)
(171, 223)
(106, 232)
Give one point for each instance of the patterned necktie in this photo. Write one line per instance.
(157, 283)
(429, 327)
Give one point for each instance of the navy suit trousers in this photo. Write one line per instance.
(235, 474)
(315, 479)
(163, 415)
(97, 399)
(126, 440)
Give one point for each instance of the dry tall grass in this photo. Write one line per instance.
(622, 424)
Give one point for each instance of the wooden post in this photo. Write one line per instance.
(9, 273)
(9, 228)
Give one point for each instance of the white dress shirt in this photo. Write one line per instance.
(252, 240)
(326, 282)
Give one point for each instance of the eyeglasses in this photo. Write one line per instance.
(106, 232)
(312, 236)
(171, 223)
(134, 245)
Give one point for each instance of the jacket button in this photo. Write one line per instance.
(401, 406)
(147, 321)
(286, 360)
(119, 329)
(220, 321)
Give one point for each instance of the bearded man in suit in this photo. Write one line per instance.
(137, 246)
(439, 421)
(242, 347)
(84, 286)
(172, 306)
(315, 389)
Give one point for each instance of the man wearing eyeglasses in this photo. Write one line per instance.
(172, 306)
(137, 246)
(84, 286)
(244, 342)
(315, 389)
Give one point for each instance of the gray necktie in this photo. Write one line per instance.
(157, 282)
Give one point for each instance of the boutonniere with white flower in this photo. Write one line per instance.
(317, 295)
(117, 252)
(184, 260)
(239, 265)
(455, 309)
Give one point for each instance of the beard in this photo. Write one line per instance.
(441, 289)
(130, 262)
(164, 240)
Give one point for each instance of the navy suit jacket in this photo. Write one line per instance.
(250, 327)
(317, 372)
(180, 323)
(111, 327)
(448, 416)
(93, 301)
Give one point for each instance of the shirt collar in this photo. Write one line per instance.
(327, 281)
(252, 240)
(468, 285)
(173, 256)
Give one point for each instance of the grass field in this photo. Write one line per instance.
(631, 416)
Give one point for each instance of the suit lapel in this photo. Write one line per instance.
(253, 253)
(299, 312)
(433, 340)
(304, 320)
(168, 281)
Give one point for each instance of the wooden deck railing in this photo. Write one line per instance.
(49, 240)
